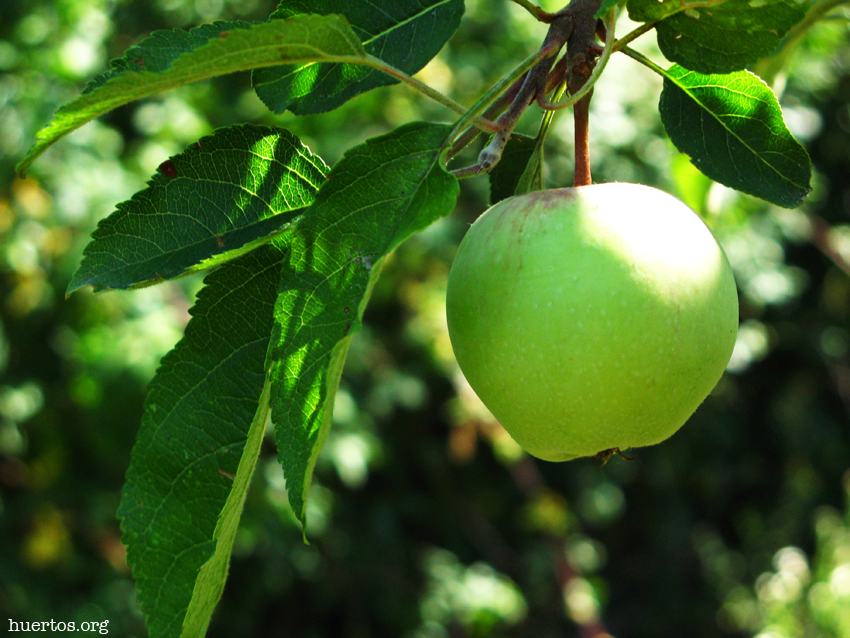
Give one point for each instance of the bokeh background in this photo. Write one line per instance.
(426, 520)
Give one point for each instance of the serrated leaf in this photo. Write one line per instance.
(506, 175)
(731, 126)
(193, 456)
(720, 36)
(405, 34)
(218, 199)
(379, 194)
(172, 58)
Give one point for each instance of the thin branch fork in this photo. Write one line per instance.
(575, 27)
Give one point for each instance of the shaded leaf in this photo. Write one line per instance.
(405, 34)
(731, 126)
(190, 465)
(216, 200)
(379, 194)
(720, 36)
(171, 58)
(605, 6)
(516, 159)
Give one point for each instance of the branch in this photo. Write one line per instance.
(594, 76)
(574, 26)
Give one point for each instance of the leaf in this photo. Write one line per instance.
(197, 445)
(405, 34)
(379, 194)
(731, 126)
(516, 159)
(213, 574)
(532, 177)
(604, 8)
(720, 36)
(172, 58)
(218, 199)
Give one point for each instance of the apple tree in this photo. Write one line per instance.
(294, 246)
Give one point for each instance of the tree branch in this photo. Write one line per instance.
(574, 26)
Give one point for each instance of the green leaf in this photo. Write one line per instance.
(731, 126)
(379, 194)
(516, 159)
(218, 199)
(197, 445)
(604, 8)
(405, 34)
(213, 574)
(172, 58)
(720, 36)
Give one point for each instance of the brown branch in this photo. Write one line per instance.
(574, 26)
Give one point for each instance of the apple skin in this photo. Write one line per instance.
(591, 318)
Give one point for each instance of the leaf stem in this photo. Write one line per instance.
(431, 92)
(538, 12)
(640, 57)
(634, 35)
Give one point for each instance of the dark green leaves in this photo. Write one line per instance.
(731, 127)
(171, 58)
(375, 197)
(726, 119)
(519, 159)
(718, 36)
(204, 418)
(219, 198)
(405, 34)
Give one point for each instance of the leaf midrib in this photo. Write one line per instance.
(758, 155)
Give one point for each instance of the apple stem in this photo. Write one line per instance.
(582, 142)
(582, 51)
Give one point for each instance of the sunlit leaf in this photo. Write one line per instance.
(379, 194)
(718, 36)
(218, 199)
(198, 443)
(405, 34)
(731, 126)
(172, 58)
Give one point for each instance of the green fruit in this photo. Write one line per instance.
(591, 318)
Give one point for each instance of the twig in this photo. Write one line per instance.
(492, 95)
(599, 66)
(537, 12)
(575, 27)
(508, 120)
(481, 123)
(492, 112)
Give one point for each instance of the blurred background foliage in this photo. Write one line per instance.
(426, 520)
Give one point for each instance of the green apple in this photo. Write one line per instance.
(591, 318)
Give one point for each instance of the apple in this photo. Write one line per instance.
(591, 319)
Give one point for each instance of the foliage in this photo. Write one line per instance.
(197, 189)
